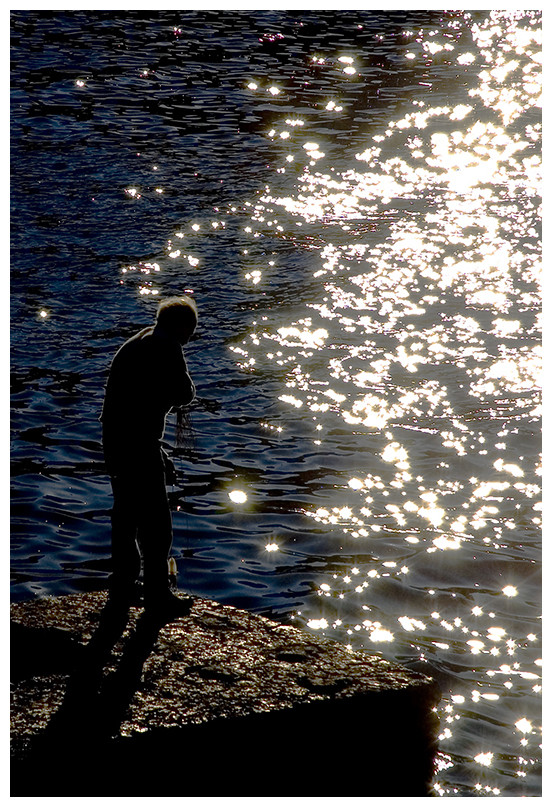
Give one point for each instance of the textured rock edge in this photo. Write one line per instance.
(221, 685)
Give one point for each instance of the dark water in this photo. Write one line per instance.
(353, 198)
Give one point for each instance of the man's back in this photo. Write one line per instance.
(147, 377)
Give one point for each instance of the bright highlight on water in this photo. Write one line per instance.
(237, 496)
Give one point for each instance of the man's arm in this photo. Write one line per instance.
(183, 389)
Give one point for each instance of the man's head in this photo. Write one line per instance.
(178, 317)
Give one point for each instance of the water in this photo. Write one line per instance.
(353, 198)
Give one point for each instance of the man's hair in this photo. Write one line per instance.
(178, 311)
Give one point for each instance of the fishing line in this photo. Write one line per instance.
(185, 436)
(185, 443)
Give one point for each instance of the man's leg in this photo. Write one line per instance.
(124, 548)
(154, 526)
(155, 540)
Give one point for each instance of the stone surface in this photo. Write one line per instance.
(269, 709)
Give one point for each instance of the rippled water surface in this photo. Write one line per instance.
(353, 198)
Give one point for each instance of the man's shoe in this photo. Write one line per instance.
(168, 606)
(125, 595)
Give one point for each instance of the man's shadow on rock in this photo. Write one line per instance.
(95, 703)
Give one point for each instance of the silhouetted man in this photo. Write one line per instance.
(148, 377)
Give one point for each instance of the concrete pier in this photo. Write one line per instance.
(218, 703)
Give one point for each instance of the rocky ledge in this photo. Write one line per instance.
(218, 703)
